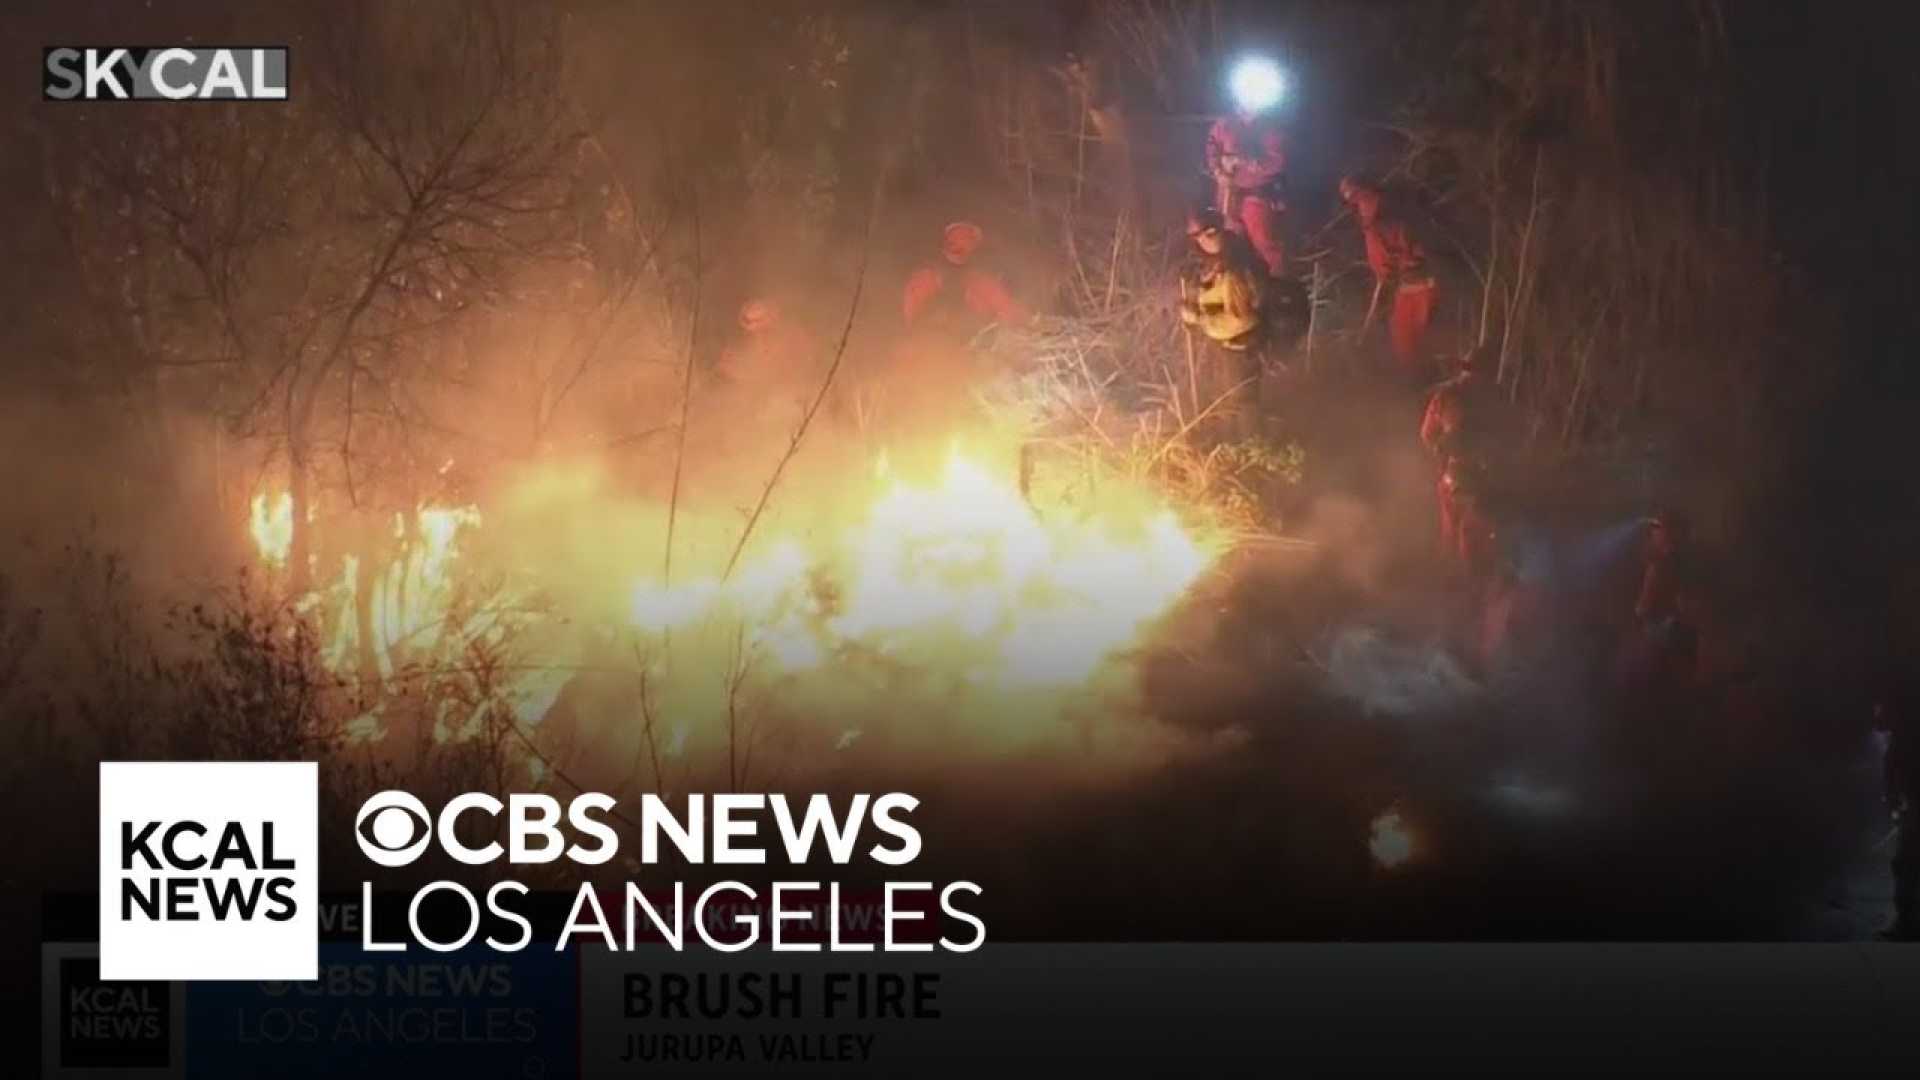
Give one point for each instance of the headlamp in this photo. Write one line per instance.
(1257, 84)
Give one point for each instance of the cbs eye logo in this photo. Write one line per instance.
(393, 828)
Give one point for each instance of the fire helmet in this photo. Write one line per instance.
(758, 314)
(959, 240)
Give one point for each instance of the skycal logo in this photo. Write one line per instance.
(208, 870)
(129, 73)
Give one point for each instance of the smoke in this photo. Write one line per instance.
(1588, 559)
(1395, 679)
(1523, 794)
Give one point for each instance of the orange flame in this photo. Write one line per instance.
(954, 573)
(963, 569)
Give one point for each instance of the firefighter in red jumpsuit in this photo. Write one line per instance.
(1467, 532)
(1444, 426)
(1248, 165)
(1397, 260)
(955, 294)
(769, 367)
(1666, 604)
(767, 348)
(1452, 431)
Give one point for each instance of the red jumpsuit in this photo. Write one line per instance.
(1666, 606)
(767, 375)
(1250, 156)
(1466, 532)
(1660, 578)
(1396, 256)
(1444, 433)
(1443, 425)
(979, 293)
(1445, 495)
(770, 354)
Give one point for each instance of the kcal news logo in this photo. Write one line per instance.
(145, 73)
(209, 870)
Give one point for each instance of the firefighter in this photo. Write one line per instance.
(1398, 261)
(1468, 536)
(768, 367)
(1893, 715)
(767, 346)
(1222, 296)
(1246, 159)
(1664, 607)
(1453, 431)
(1444, 424)
(1663, 562)
(1517, 623)
(955, 294)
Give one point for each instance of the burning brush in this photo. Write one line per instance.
(941, 580)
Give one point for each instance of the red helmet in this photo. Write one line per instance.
(1362, 196)
(959, 240)
(758, 314)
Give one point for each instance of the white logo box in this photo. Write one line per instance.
(214, 794)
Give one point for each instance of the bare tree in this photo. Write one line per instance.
(308, 260)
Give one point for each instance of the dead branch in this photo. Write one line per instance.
(686, 398)
(820, 397)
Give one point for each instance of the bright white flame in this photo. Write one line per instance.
(1257, 84)
(960, 572)
(272, 526)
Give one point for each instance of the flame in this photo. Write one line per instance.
(407, 599)
(970, 558)
(960, 570)
(272, 527)
(411, 599)
(890, 566)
